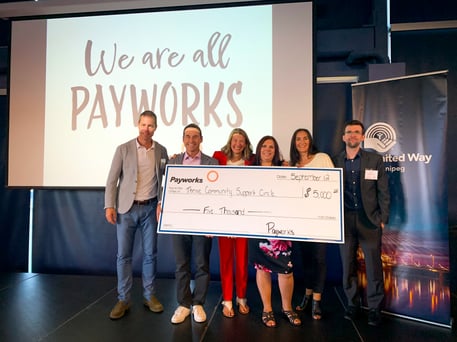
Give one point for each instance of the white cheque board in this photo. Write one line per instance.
(256, 202)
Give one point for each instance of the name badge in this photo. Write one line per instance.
(371, 174)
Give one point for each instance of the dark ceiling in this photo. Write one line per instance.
(337, 14)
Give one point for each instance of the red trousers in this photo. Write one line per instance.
(233, 251)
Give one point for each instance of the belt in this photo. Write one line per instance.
(145, 202)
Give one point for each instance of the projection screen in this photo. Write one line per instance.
(78, 84)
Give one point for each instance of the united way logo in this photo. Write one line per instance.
(380, 137)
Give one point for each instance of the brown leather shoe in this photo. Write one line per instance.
(119, 310)
(153, 304)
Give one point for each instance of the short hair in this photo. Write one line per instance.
(227, 149)
(148, 113)
(355, 123)
(192, 125)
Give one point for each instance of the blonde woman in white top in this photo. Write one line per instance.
(303, 153)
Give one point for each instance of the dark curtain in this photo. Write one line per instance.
(332, 109)
(72, 236)
(14, 209)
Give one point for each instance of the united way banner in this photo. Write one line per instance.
(405, 121)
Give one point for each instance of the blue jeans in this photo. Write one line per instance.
(142, 218)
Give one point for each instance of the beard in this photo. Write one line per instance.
(353, 144)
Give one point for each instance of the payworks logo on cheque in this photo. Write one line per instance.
(179, 180)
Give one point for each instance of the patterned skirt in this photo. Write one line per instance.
(272, 256)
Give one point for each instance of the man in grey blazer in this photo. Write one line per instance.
(183, 245)
(366, 212)
(132, 191)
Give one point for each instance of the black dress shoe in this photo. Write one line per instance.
(351, 312)
(374, 317)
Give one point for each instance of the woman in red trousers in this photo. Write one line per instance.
(237, 151)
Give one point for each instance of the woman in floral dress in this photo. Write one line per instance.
(272, 256)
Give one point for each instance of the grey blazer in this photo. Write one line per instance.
(375, 193)
(206, 160)
(122, 178)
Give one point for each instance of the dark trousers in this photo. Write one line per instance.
(360, 231)
(313, 256)
(184, 247)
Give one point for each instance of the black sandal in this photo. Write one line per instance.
(267, 318)
(305, 303)
(316, 311)
(293, 318)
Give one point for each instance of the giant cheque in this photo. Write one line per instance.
(256, 202)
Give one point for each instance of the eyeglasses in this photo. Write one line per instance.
(353, 132)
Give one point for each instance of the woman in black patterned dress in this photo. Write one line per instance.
(272, 256)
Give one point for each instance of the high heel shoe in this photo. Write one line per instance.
(305, 303)
(292, 317)
(243, 307)
(268, 319)
(316, 312)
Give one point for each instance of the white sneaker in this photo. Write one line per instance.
(199, 313)
(180, 314)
